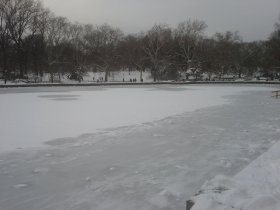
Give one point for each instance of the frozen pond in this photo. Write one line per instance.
(163, 153)
(30, 118)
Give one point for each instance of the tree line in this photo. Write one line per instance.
(34, 41)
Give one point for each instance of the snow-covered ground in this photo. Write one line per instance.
(257, 187)
(89, 77)
(171, 140)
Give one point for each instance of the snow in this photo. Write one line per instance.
(152, 165)
(257, 187)
(29, 119)
(89, 77)
(119, 76)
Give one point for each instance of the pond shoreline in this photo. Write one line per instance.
(137, 84)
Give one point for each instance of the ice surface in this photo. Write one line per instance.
(153, 165)
(29, 119)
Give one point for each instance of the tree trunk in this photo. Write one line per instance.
(5, 62)
(154, 72)
(21, 63)
(106, 75)
(141, 75)
(52, 76)
(239, 73)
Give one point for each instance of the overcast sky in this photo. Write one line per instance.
(254, 19)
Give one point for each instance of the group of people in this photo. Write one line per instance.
(133, 80)
(101, 79)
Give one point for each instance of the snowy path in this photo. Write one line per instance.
(157, 165)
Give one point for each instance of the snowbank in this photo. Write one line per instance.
(257, 187)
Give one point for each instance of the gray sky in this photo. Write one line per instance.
(254, 19)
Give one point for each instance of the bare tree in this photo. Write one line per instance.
(227, 50)
(57, 30)
(32, 39)
(19, 15)
(139, 59)
(156, 50)
(4, 38)
(189, 36)
(274, 44)
(57, 38)
(210, 62)
(73, 38)
(101, 43)
(132, 54)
